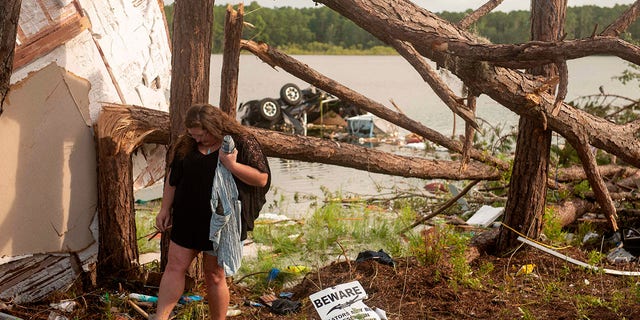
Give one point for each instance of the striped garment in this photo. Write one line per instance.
(224, 230)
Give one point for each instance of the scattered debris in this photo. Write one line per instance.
(526, 269)
(620, 256)
(590, 238)
(64, 305)
(577, 262)
(631, 240)
(138, 309)
(379, 256)
(5, 316)
(343, 301)
(485, 216)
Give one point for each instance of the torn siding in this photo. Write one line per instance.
(71, 56)
(123, 51)
(49, 189)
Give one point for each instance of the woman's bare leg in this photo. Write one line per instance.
(217, 290)
(172, 283)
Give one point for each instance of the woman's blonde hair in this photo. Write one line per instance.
(211, 119)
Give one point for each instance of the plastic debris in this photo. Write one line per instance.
(485, 216)
(54, 316)
(379, 256)
(620, 256)
(64, 305)
(297, 269)
(284, 306)
(286, 295)
(381, 313)
(143, 297)
(5, 316)
(189, 298)
(590, 238)
(233, 312)
(273, 274)
(253, 304)
(526, 269)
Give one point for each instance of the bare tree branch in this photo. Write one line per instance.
(588, 159)
(311, 76)
(623, 22)
(441, 89)
(472, 17)
(469, 133)
(541, 51)
(512, 89)
(563, 73)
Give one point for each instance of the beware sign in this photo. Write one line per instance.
(343, 302)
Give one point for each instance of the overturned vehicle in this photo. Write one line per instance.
(294, 109)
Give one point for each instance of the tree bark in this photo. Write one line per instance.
(526, 198)
(311, 149)
(190, 59)
(119, 131)
(274, 58)
(231, 60)
(434, 38)
(8, 31)
(481, 67)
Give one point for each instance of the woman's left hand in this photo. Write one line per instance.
(228, 159)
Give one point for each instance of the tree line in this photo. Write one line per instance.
(322, 30)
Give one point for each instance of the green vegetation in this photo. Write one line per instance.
(146, 227)
(320, 30)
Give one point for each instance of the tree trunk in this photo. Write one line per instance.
(119, 131)
(8, 31)
(231, 60)
(526, 198)
(190, 59)
(475, 62)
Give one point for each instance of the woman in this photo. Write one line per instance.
(186, 199)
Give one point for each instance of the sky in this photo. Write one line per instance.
(433, 5)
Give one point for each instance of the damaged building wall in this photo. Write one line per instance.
(71, 56)
(124, 52)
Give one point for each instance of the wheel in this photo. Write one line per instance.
(291, 94)
(269, 109)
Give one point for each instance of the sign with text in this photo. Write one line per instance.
(343, 302)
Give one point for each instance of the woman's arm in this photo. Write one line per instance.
(163, 219)
(245, 173)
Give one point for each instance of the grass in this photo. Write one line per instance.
(146, 226)
(340, 229)
(334, 231)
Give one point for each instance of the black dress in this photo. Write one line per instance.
(193, 178)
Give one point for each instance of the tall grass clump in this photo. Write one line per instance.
(334, 231)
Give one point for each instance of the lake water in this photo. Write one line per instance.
(385, 78)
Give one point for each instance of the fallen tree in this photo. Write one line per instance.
(491, 69)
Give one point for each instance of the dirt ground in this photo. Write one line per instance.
(554, 290)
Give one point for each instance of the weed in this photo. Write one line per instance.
(526, 314)
(323, 237)
(552, 228)
(551, 290)
(584, 302)
(193, 311)
(595, 257)
(145, 217)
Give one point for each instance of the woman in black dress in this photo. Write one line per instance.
(186, 208)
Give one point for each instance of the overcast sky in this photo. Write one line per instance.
(434, 5)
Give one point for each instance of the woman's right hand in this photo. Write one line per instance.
(163, 221)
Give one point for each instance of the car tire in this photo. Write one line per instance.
(291, 94)
(269, 109)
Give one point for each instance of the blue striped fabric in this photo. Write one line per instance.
(224, 230)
